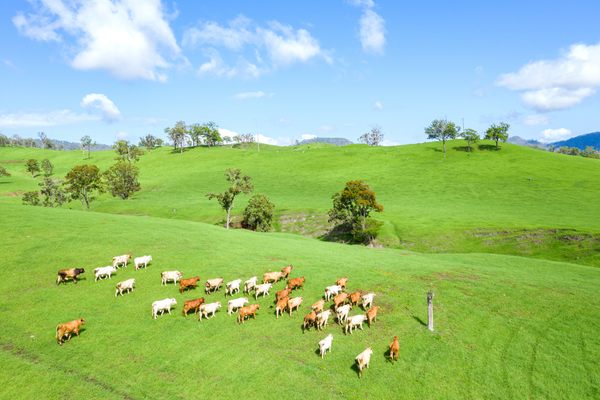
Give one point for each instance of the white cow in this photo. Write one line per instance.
(123, 286)
(210, 308)
(143, 260)
(367, 300)
(263, 289)
(162, 305)
(322, 319)
(103, 272)
(121, 260)
(233, 305)
(363, 360)
(232, 287)
(212, 285)
(167, 276)
(331, 291)
(325, 344)
(250, 284)
(342, 312)
(353, 322)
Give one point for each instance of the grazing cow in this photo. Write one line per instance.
(294, 303)
(280, 294)
(103, 272)
(167, 276)
(232, 287)
(190, 283)
(125, 286)
(354, 321)
(325, 345)
(281, 306)
(355, 297)
(342, 313)
(342, 282)
(213, 285)
(372, 314)
(162, 306)
(309, 320)
(247, 311)
(322, 319)
(394, 349)
(250, 284)
(68, 273)
(272, 277)
(367, 300)
(363, 360)
(318, 306)
(121, 260)
(296, 283)
(194, 305)
(331, 291)
(262, 289)
(68, 329)
(143, 260)
(286, 271)
(340, 299)
(210, 308)
(233, 305)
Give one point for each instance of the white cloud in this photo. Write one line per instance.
(536, 119)
(122, 135)
(216, 66)
(130, 39)
(286, 46)
(362, 3)
(52, 118)
(378, 105)
(560, 83)
(554, 135)
(372, 32)
(100, 102)
(227, 133)
(251, 95)
(386, 142)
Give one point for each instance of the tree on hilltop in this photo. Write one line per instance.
(442, 130)
(178, 135)
(471, 136)
(498, 133)
(372, 138)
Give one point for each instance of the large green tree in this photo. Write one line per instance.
(126, 151)
(258, 214)
(471, 136)
(121, 179)
(442, 130)
(210, 134)
(498, 133)
(33, 166)
(238, 184)
(82, 182)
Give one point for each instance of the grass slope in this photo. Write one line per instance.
(507, 327)
(514, 201)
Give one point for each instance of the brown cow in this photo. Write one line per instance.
(310, 319)
(67, 329)
(340, 299)
(188, 283)
(282, 294)
(372, 314)
(281, 306)
(296, 283)
(287, 271)
(68, 273)
(355, 297)
(394, 349)
(342, 282)
(318, 306)
(247, 311)
(192, 305)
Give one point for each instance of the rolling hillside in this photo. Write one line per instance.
(514, 201)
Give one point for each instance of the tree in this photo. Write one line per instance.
(45, 142)
(3, 172)
(47, 167)
(258, 214)
(196, 133)
(178, 134)
(244, 138)
(471, 136)
(238, 184)
(373, 138)
(33, 167)
(4, 141)
(54, 195)
(498, 133)
(210, 134)
(31, 198)
(127, 152)
(81, 183)
(442, 129)
(352, 207)
(150, 142)
(86, 144)
(121, 179)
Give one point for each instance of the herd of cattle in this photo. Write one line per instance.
(317, 318)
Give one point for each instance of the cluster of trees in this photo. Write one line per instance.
(182, 135)
(444, 130)
(588, 152)
(17, 141)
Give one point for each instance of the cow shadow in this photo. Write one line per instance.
(386, 355)
(354, 367)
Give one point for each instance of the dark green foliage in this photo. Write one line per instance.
(31, 198)
(238, 184)
(498, 133)
(54, 194)
(32, 166)
(258, 214)
(121, 179)
(82, 182)
(210, 134)
(126, 151)
(3, 171)
(471, 136)
(150, 142)
(442, 130)
(47, 167)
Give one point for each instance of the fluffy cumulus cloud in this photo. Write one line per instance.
(102, 104)
(554, 135)
(557, 84)
(41, 120)
(131, 39)
(371, 27)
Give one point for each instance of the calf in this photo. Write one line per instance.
(294, 303)
(286, 271)
(272, 277)
(67, 329)
(190, 283)
(250, 284)
(331, 291)
(247, 311)
(281, 306)
(340, 299)
(233, 305)
(138, 262)
(342, 313)
(372, 314)
(210, 308)
(367, 300)
(232, 287)
(125, 286)
(68, 273)
(363, 360)
(355, 297)
(325, 345)
(394, 349)
(194, 305)
(213, 285)
(162, 305)
(322, 319)
(262, 289)
(310, 319)
(103, 272)
(318, 306)
(121, 260)
(342, 282)
(296, 283)
(354, 321)
(167, 276)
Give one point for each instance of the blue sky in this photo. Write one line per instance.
(291, 69)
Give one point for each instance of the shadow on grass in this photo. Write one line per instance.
(463, 148)
(488, 147)
(419, 320)
(355, 368)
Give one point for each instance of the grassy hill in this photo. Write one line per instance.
(514, 201)
(507, 327)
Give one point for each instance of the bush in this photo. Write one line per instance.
(31, 198)
(258, 215)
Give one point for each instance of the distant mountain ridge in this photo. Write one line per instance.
(334, 141)
(527, 142)
(581, 141)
